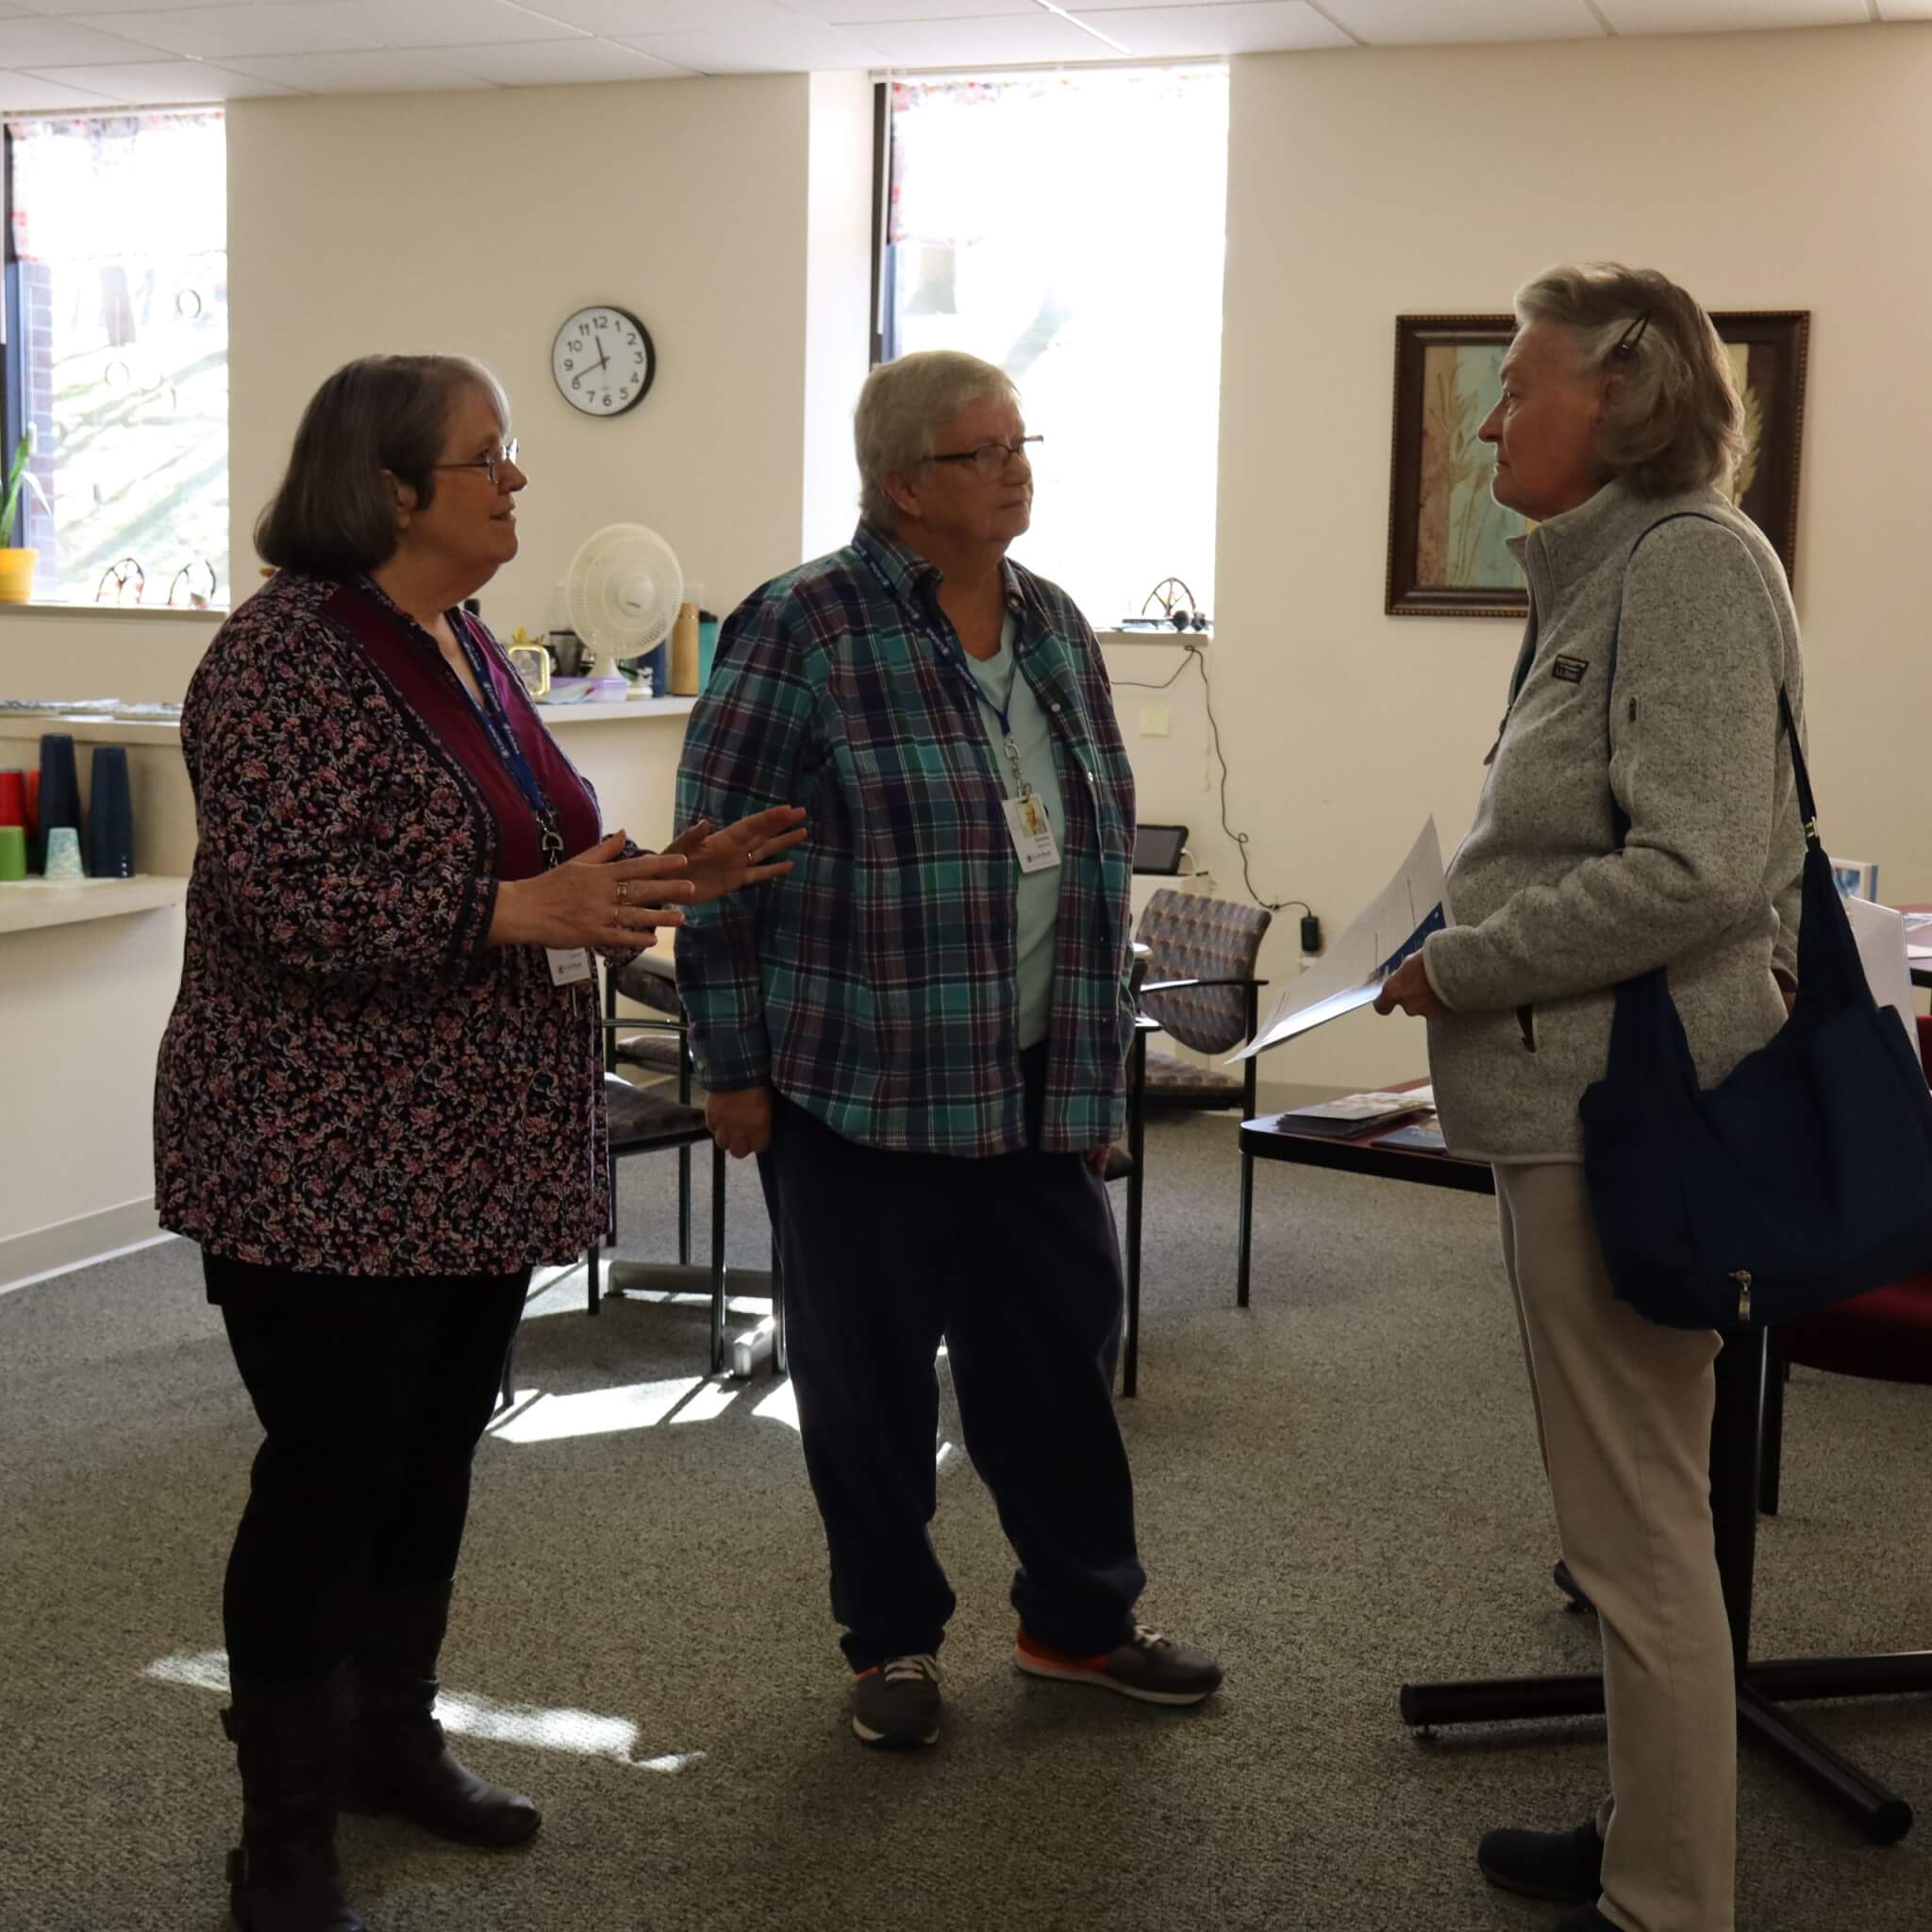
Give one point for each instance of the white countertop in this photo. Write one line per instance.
(29, 904)
(604, 711)
(92, 727)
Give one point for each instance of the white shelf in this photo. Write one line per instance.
(29, 904)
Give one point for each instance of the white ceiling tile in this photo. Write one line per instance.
(1426, 23)
(157, 83)
(1011, 37)
(784, 46)
(615, 17)
(375, 72)
(38, 43)
(22, 93)
(862, 12)
(557, 64)
(212, 33)
(430, 23)
(1905, 9)
(1252, 27)
(1729, 16)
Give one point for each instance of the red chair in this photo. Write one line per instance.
(1885, 1337)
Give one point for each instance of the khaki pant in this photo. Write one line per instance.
(1623, 1411)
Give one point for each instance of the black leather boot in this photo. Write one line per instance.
(1564, 1866)
(288, 1743)
(398, 1760)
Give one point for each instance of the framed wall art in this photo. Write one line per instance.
(1448, 537)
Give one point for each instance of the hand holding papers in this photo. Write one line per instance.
(1406, 910)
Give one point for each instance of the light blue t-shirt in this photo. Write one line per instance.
(1040, 892)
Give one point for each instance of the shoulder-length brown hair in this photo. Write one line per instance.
(334, 515)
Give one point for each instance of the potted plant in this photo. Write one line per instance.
(17, 566)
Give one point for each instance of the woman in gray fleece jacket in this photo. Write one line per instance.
(1644, 703)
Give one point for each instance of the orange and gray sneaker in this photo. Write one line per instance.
(1148, 1666)
(897, 1702)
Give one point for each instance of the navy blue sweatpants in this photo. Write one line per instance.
(1012, 1262)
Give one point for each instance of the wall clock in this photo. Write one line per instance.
(603, 361)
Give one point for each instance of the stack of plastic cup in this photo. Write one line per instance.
(60, 802)
(110, 816)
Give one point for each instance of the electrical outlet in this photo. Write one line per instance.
(1152, 721)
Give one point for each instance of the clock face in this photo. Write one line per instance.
(603, 361)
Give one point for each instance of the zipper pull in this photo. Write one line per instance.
(1743, 1277)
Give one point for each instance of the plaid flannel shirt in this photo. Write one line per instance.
(878, 985)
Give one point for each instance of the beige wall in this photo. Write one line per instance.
(1765, 171)
(476, 223)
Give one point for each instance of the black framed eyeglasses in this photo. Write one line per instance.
(1626, 344)
(990, 458)
(489, 465)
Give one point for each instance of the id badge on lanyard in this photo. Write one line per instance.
(1027, 824)
(569, 965)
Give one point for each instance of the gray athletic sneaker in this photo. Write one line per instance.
(1148, 1666)
(897, 1702)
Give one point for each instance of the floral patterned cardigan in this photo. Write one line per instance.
(352, 1081)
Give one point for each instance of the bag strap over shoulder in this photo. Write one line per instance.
(1807, 806)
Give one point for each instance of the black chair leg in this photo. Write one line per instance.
(780, 1364)
(684, 1207)
(1136, 1176)
(1771, 1451)
(593, 1283)
(717, 1259)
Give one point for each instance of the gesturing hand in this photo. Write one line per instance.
(595, 899)
(1408, 988)
(740, 855)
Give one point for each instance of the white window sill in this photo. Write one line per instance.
(139, 613)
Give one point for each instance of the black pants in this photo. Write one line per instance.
(1012, 1262)
(373, 1392)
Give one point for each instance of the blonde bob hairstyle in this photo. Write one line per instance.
(900, 407)
(1673, 421)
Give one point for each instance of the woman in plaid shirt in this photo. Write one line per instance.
(921, 1035)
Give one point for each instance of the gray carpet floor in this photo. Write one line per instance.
(1337, 1489)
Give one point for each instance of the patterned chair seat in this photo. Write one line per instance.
(640, 1119)
(1174, 1082)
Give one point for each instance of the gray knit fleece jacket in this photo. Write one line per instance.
(1546, 914)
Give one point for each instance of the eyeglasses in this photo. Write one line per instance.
(990, 458)
(1626, 344)
(489, 464)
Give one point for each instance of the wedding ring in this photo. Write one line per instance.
(624, 891)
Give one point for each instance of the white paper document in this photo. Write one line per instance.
(1406, 910)
(1882, 951)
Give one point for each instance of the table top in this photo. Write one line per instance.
(1363, 1153)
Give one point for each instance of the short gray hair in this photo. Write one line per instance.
(1674, 421)
(333, 515)
(902, 404)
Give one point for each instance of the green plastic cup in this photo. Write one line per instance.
(13, 852)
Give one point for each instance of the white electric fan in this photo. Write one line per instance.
(622, 590)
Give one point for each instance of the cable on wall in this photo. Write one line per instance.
(1197, 655)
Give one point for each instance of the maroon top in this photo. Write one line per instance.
(352, 1081)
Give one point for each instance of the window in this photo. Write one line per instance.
(1070, 227)
(117, 355)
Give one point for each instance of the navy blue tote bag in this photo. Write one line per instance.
(1804, 1178)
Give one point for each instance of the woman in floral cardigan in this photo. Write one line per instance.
(379, 1099)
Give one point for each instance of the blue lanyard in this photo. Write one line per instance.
(503, 740)
(950, 653)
